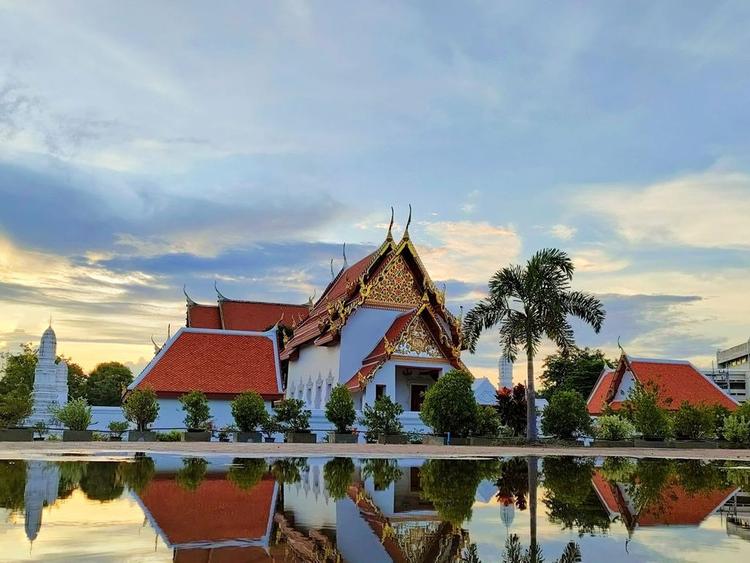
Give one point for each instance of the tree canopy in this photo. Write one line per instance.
(577, 370)
(106, 384)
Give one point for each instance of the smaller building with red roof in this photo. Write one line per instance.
(678, 381)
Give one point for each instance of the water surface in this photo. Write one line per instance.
(170, 508)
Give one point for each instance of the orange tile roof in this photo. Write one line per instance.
(204, 316)
(392, 334)
(679, 381)
(251, 315)
(225, 555)
(598, 398)
(218, 363)
(216, 511)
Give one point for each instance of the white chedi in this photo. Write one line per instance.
(50, 380)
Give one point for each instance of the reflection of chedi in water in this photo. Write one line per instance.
(50, 379)
(42, 481)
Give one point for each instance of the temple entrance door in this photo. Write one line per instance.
(417, 396)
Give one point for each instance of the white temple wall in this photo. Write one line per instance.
(102, 416)
(404, 383)
(626, 386)
(362, 332)
(386, 375)
(354, 538)
(171, 414)
(313, 374)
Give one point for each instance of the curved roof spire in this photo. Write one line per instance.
(190, 301)
(346, 264)
(157, 348)
(218, 293)
(311, 299)
(408, 222)
(332, 274)
(389, 236)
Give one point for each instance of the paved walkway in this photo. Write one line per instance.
(16, 450)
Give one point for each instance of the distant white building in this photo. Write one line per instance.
(733, 373)
(50, 380)
(505, 373)
(484, 391)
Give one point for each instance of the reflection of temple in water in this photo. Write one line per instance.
(674, 507)
(42, 482)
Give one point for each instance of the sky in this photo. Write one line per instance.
(149, 145)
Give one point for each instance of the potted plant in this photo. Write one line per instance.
(294, 421)
(15, 407)
(192, 473)
(450, 407)
(382, 422)
(340, 412)
(246, 473)
(141, 408)
(76, 418)
(269, 427)
(197, 417)
(337, 476)
(249, 412)
(117, 428)
(226, 433)
(40, 430)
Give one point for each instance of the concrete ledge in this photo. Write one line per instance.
(42, 450)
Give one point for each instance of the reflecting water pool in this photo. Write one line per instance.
(219, 509)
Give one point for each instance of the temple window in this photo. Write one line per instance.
(379, 391)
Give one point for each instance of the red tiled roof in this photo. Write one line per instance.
(224, 555)
(679, 381)
(366, 371)
(392, 334)
(249, 315)
(204, 316)
(598, 397)
(674, 507)
(216, 511)
(214, 362)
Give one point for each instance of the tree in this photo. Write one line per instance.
(292, 416)
(648, 417)
(488, 423)
(141, 408)
(566, 415)
(694, 422)
(340, 409)
(578, 370)
(197, 411)
(76, 415)
(511, 406)
(106, 384)
(528, 304)
(249, 411)
(15, 407)
(76, 380)
(192, 473)
(450, 405)
(246, 473)
(337, 476)
(18, 373)
(382, 418)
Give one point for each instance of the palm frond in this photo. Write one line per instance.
(586, 307)
(486, 314)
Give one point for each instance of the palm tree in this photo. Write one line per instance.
(528, 304)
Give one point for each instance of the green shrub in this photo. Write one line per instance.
(137, 474)
(249, 411)
(694, 422)
(15, 407)
(382, 418)
(197, 411)
(246, 473)
(648, 417)
(488, 423)
(613, 427)
(511, 406)
(337, 475)
(192, 473)
(719, 413)
(383, 472)
(743, 410)
(118, 428)
(141, 408)
(566, 415)
(736, 429)
(99, 437)
(270, 426)
(291, 415)
(340, 409)
(171, 436)
(76, 415)
(289, 470)
(450, 405)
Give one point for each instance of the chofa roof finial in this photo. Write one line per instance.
(190, 302)
(332, 274)
(346, 264)
(157, 348)
(311, 299)
(620, 347)
(408, 222)
(389, 236)
(218, 293)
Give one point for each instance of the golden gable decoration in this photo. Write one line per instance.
(396, 285)
(417, 341)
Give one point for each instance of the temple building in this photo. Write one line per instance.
(380, 327)
(677, 381)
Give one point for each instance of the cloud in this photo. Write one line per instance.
(563, 232)
(468, 251)
(597, 260)
(707, 210)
